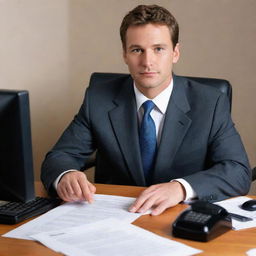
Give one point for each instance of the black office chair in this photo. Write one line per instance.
(254, 174)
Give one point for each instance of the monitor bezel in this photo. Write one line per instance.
(16, 166)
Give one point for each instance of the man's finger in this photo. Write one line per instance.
(140, 201)
(77, 190)
(160, 208)
(92, 188)
(148, 204)
(84, 185)
(63, 194)
(68, 188)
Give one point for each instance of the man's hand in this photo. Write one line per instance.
(159, 197)
(74, 186)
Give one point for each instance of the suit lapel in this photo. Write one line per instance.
(124, 122)
(175, 127)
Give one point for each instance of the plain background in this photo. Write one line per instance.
(51, 47)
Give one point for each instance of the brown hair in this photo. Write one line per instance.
(145, 14)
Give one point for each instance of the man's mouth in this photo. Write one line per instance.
(148, 73)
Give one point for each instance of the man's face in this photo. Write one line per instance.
(149, 55)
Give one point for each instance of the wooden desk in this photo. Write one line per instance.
(231, 243)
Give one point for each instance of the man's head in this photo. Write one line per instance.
(150, 14)
(150, 47)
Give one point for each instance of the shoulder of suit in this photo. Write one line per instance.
(105, 87)
(108, 81)
(201, 87)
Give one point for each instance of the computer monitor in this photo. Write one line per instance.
(16, 160)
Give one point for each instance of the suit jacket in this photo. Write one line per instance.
(199, 142)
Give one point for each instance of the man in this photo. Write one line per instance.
(151, 128)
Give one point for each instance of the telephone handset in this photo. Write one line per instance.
(203, 221)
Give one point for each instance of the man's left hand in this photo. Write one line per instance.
(159, 197)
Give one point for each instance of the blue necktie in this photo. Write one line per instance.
(148, 143)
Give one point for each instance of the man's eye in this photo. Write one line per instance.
(137, 50)
(159, 49)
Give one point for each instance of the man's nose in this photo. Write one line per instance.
(147, 59)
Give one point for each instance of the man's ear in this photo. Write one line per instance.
(176, 53)
(124, 55)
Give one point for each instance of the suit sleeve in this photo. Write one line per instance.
(72, 150)
(229, 173)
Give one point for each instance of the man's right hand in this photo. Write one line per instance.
(74, 186)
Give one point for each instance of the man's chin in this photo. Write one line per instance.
(148, 83)
(148, 86)
(145, 87)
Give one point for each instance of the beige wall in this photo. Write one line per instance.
(50, 47)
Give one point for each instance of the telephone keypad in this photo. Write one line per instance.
(197, 217)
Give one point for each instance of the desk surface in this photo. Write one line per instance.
(230, 243)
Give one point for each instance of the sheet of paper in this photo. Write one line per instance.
(233, 205)
(251, 252)
(76, 214)
(111, 237)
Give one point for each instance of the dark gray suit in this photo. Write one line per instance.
(199, 142)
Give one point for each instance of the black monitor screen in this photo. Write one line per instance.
(16, 161)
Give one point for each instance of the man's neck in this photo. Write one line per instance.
(151, 93)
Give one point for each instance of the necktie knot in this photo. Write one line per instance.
(148, 106)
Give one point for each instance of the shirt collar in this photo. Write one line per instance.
(161, 100)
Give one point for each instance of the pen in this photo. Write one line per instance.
(239, 217)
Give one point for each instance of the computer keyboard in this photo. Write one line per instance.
(15, 212)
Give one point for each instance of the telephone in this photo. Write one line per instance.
(203, 221)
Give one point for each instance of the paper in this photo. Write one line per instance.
(251, 252)
(76, 214)
(233, 206)
(111, 237)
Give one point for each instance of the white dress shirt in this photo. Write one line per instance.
(158, 115)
